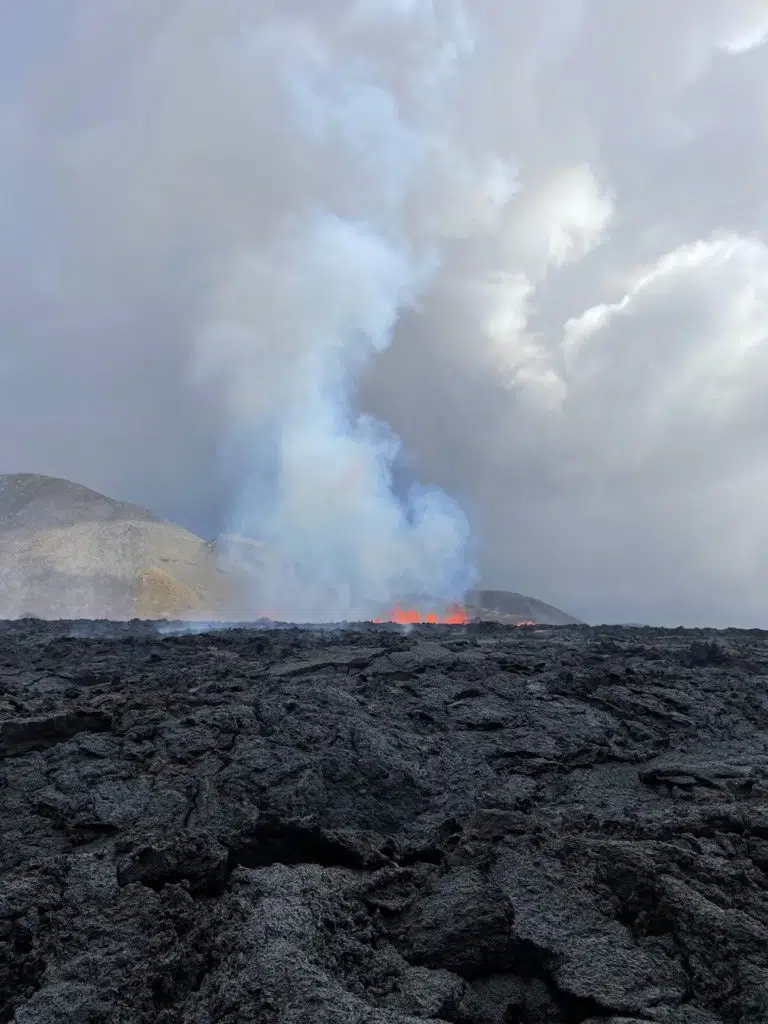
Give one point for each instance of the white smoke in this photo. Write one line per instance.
(299, 309)
(292, 325)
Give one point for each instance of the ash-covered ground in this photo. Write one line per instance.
(482, 825)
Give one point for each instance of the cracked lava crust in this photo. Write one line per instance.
(476, 824)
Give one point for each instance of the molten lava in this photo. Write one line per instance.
(453, 616)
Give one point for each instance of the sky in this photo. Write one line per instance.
(405, 287)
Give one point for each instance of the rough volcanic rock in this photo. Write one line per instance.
(477, 825)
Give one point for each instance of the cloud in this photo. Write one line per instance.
(537, 232)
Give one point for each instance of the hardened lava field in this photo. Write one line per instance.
(474, 824)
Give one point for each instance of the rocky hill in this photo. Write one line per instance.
(69, 552)
(511, 609)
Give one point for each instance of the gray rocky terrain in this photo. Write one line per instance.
(479, 825)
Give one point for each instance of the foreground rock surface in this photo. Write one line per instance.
(478, 825)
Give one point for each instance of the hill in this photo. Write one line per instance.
(69, 552)
(508, 607)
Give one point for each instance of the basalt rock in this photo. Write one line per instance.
(477, 825)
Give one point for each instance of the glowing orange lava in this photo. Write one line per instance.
(453, 616)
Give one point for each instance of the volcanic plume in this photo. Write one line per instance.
(301, 303)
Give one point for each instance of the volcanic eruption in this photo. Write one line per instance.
(454, 615)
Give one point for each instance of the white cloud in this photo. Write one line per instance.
(560, 217)
(680, 350)
(746, 29)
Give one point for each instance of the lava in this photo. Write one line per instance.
(453, 616)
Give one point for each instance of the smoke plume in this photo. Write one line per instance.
(247, 247)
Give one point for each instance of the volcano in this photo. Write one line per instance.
(69, 552)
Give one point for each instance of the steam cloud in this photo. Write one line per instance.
(237, 239)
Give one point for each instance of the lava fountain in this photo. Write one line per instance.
(455, 615)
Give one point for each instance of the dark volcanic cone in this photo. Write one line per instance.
(510, 608)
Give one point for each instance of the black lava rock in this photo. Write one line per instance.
(474, 825)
